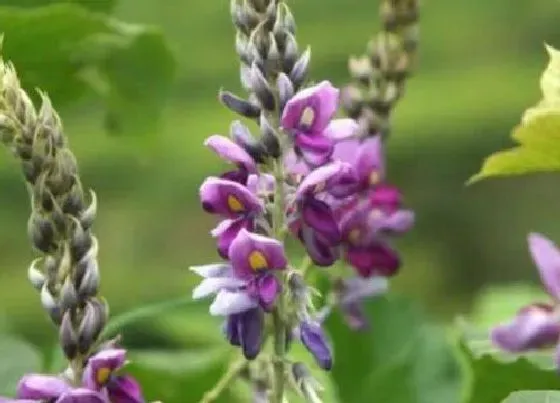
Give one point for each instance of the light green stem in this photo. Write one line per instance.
(225, 381)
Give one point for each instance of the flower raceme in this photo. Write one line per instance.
(536, 326)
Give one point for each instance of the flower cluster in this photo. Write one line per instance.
(537, 325)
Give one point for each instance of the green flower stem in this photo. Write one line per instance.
(225, 381)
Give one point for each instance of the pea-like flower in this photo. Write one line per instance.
(538, 325)
(313, 338)
(235, 154)
(312, 218)
(307, 117)
(235, 203)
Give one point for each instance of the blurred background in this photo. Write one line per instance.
(480, 62)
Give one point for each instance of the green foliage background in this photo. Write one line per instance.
(479, 66)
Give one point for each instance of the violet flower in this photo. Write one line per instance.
(245, 330)
(100, 374)
(307, 117)
(313, 338)
(312, 219)
(235, 203)
(235, 154)
(538, 325)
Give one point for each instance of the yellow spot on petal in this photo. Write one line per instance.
(103, 375)
(257, 261)
(307, 117)
(234, 204)
(374, 178)
(354, 236)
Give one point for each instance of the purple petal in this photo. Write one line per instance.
(318, 215)
(534, 327)
(346, 151)
(344, 183)
(321, 252)
(261, 184)
(226, 231)
(41, 387)
(230, 303)
(385, 197)
(101, 366)
(125, 389)
(546, 256)
(231, 330)
(213, 285)
(83, 395)
(341, 129)
(295, 165)
(230, 151)
(316, 181)
(212, 270)
(315, 149)
(227, 198)
(268, 289)
(250, 329)
(249, 253)
(375, 259)
(314, 340)
(395, 224)
(311, 109)
(369, 161)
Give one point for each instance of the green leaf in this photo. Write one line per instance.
(538, 134)
(179, 376)
(541, 396)
(402, 360)
(67, 50)
(105, 6)
(18, 358)
(495, 376)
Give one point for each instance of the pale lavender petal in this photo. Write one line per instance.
(355, 316)
(341, 129)
(83, 395)
(385, 197)
(212, 270)
(230, 151)
(261, 184)
(315, 149)
(226, 231)
(41, 387)
(213, 285)
(125, 389)
(357, 288)
(250, 253)
(369, 160)
(295, 165)
(397, 223)
(100, 367)
(227, 198)
(316, 181)
(534, 327)
(546, 256)
(229, 303)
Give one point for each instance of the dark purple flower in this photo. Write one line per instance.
(235, 154)
(307, 116)
(245, 330)
(232, 201)
(100, 374)
(312, 336)
(248, 281)
(537, 325)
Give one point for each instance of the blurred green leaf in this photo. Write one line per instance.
(65, 50)
(541, 396)
(17, 359)
(495, 376)
(179, 376)
(96, 5)
(402, 360)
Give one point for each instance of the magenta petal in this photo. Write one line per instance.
(318, 215)
(346, 151)
(227, 198)
(370, 160)
(295, 165)
(534, 327)
(268, 288)
(317, 180)
(341, 129)
(385, 197)
(226, 231)
(110, 359)
(125, 389)
(376, 259)
(321, 252)
(546, 256)
(41, 387)
(250, 253)
(230, 151)
(82, 395)
(315, 149)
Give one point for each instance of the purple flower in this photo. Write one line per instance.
(37, 388)
(232, 152)
(245, 330)
(537, 325)
(100, 374)
(351, 293)
(312, 337)
(307, 116)
(248, 281)
(312, 219)
(232, 201)
(367, 158)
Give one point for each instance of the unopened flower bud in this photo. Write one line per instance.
(301, 67)
(314, 340)
(68, 337)
(239, 105)
(269, 137)
(35, 276)
(285, 90)
(261, 89)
